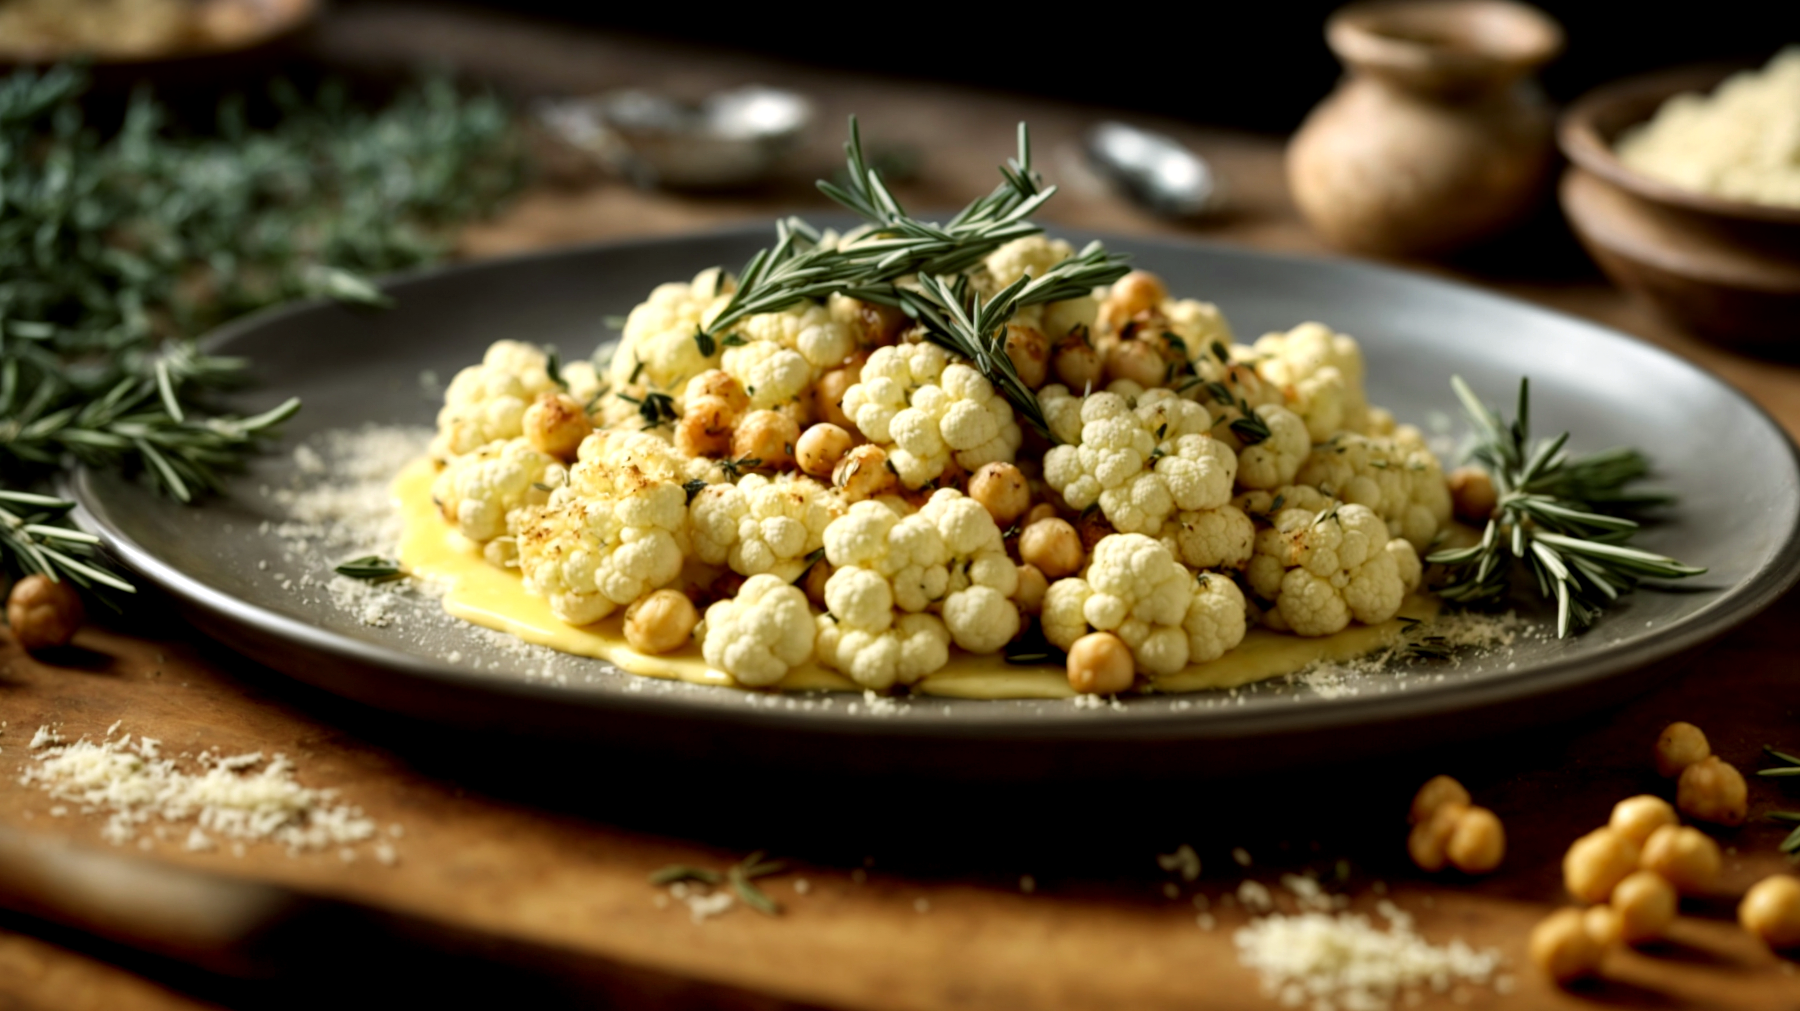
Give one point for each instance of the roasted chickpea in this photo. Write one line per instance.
(1771, 911)
(1002, 490)
(1041, 511)
(1603, 925)
(1645, 902)
(1138, 361)
(814, 583)
(660, 622)
(1681, 745)
(1472, 494)
(721, 384)
(1637, 817)
(864, 473)
(1100, 664)
(1597, 862)
(1478, 842)
(1029, 351)
(1032, 587)
(1713, 790)
(1136, 292)
(1562, 947)
(705, 427)
(555, 424)
(43, 612)
(828, 396)
(821, 447)
(876, 325)
(1076, 362)
(1686, 857)
(1053, 546)
(1429, 841)
(1437, 790)
(767, 436)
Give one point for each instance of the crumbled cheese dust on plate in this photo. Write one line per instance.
(144, 794)
(1463, 635)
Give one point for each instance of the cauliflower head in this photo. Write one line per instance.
(486, 402)
(1321, 373)
(1140, 464)
(1396, 476)
(658, 346)
(902, 653)
(1321, 569)
(762, 633)
(761, 525)
(477, 491)
(951, 410)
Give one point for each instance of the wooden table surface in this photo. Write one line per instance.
(522, 867)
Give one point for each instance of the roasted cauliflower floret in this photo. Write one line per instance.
(1141, 465)
(978, 609)
(477, 491)
(761, 525)
(952, 412)
(1222, 538)
(771, 374)
(762, 633)
(1396, 476)
(902, 653)
(1321, 373)
(486, 402)
(1323, 569)
(809, 329)
(1136, 589)
(1275, 460)
(589, 556)
(1034, 255)
(658, 346)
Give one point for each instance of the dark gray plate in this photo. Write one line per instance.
(1733, 468)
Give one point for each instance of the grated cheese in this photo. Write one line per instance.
(1330, 961)
(238, 797)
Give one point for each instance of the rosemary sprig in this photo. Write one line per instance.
(33, 533)
(373, 568)
(1560, 515)
(741, 876)
(1790, 766)
(917, 266)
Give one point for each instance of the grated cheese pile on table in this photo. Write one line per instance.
(238, 797)
(1340, 961)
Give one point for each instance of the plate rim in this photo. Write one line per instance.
(1749, 597)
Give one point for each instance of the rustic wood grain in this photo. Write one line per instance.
(517, 853)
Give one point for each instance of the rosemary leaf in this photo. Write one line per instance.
(683, 872)
(373, 568)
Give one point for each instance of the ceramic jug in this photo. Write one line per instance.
(1438, 137)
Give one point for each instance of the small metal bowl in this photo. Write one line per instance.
(731, 138)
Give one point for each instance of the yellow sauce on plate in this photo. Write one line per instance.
(495, 598)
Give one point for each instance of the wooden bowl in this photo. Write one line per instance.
(1724, 269)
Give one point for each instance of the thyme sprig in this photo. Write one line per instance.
(1562, 516)
(918, 267)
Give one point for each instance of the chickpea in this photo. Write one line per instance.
(1002, 490)
(705, 427)
(660, 622)
(1100, 664)
(1437, 790)
(1029, 350)
(864, 473)
(1092, 527)
(1771, 911)
(1561, 946)
(1681, 745)
(1478, 842)
(876, 324)
(555, 424)
(1596, 862)
(1472, 494)
(721, 384)
(1041, 511)
(814, 583)
(1637, 817)
(1686, 857)
(828, 396)
(767, 436)
(1713, 790)
(1428, 843)
(1053, 546)
(1137, 360)
(1645, 902)
(1138, 291)
(44, 612)
(1076, 363)
(1602, 923)
(1032, 587)
(821, 447)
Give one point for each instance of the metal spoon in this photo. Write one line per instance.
(1153, 169)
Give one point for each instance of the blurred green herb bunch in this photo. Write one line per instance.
(116, 251)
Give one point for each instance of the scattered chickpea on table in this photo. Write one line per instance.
(44, 613)
(1448, 829)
